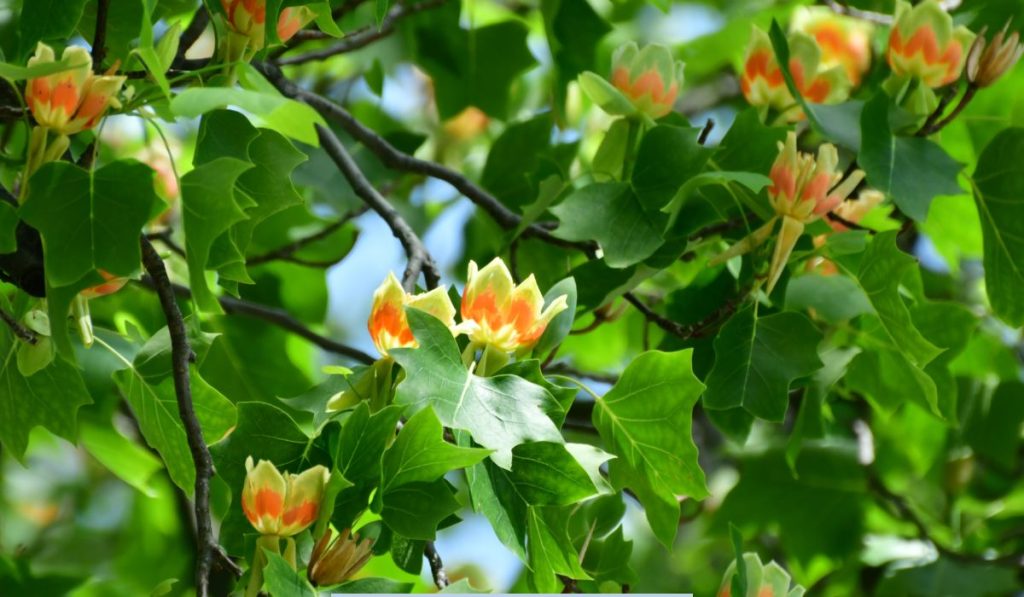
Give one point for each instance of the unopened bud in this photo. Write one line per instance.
(334, 562)
(986, 62)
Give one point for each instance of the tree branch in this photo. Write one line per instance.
(287, 252)
(208, 549)
(684, 332)
(363, 37)
(436, 565)
(191, 35)
(419, 259)
(19, 330)
(397, 160)
(278, 317)
(99, 38)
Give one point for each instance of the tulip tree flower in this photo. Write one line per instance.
(388, 324)
(843, 41)
(334, 562)
(803, 190)
(987, 62)
(247, 18)
(282, 505)
(763, 580)
(74, 100)
(925, 46)
(764, 86)
(501, 315)
(645, 82)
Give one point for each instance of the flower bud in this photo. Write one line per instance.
(388, 324)
(924, 44)
(74, 100)
(248, 19)
(986, 63)
(763, 84)
(762, 580)
(334, 562)
(111, 285)
(649, 78)
(282, 505)
(498, 313)
(843, 41)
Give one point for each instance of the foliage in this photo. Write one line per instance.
(749, 324)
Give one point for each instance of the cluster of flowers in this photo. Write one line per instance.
(495, 311)
(830, 54)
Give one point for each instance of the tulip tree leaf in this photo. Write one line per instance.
(757, 360)
(90, 221)
(574, 31)
(282, 580)
(51, 397)
(881, 271)
(416, 509)
(47, 20)
(612, 215)
(912, 170)
(470, 68)
(646, 420)
(420, 453)
(500, 412)
(667, 158)
(209, 208)
(551, 552)
(999, 193)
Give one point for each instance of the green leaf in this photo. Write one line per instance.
(573, 32)
(558, 328)
(46, 20)
(757, 360)
(15, 72)
(374, 585)
(132, 463)
(885, 376)
(50, 398)
(421, 454)
(90, 221)
(834, 298)
(949, 577)
(281, 580)
(500, 412)
(608, 560)
(382, 10)
(416, 509)
(286, 116)
(993, 430)
(209, 209)
(156, 409)
(668, 157)
(751, 180)
(646, 420)
(912, 170)
(612, 215)
(551, 553)
(605, 95)
(999, 193)
(362, 441)
(8, 228)
(546, 473)
(470, 68)
(882, 270)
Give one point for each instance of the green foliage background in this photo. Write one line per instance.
(862, 427)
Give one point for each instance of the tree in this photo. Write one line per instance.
(765, 304)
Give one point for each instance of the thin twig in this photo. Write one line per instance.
(365, 36)
(419, 259)
(19, 330)
(287, 252)
(397, 160)
(207, 547)
(436, 565)
(705, 132)
(947, 97)
(866, 15)
(278, 317)
(685, 332)
(164, 236)
(848, 223)
(968, 95)
(99, 38)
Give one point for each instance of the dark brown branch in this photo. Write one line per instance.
(436, 565)
(164, 236)
(365, 36)
(99, 38)
(848, 223)
(287, 252)
(278, 317)
(208, 549)
(706, 131)
(397, 160)
(685, 332)
(947, 97)
(968, 95)
(866, 15)
(191, 34)
(19, 330)
(419, 259)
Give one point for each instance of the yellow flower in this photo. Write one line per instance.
(282, 505)
(843, 41)
(498, 313)
(923, 44)
(388, 324)
(74, 100)
(649, 78)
